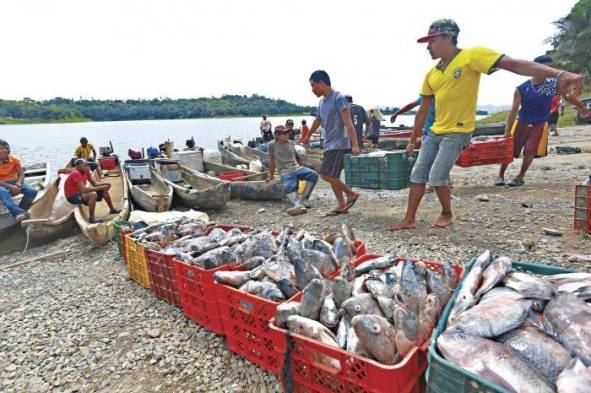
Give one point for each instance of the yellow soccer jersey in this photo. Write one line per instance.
(455, 89)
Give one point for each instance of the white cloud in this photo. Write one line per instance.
(175, 48)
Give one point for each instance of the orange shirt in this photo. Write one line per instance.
(9, 170)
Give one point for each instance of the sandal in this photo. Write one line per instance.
(351, 202)
(516, 182)
(500, 182)
(335, 212)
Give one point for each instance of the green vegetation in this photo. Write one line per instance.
(66, 110)
(572, 43)
(494, 118)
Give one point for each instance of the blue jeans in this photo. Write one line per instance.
(437, 157)
(291, 178)
(29, 194)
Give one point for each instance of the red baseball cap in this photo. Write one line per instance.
(441, 27)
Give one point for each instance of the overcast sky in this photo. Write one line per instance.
(178, 49)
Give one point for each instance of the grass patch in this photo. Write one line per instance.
(12, 120)
(498, 117)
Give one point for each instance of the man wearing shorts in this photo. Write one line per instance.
(358, 118)
(532, 99)
(453, 83)
(339, 138)
(78, 193)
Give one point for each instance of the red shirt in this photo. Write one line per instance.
(71, 184)
(555, 104)
(305, 131)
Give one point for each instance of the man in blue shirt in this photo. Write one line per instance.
(339, 138)
(430, 115)
(531, 107)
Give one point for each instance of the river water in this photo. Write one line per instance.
(55, 143)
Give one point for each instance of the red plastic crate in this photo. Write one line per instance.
(162, 276)
(582, 213)
(245, 318)
(356, 373)
(107, 163)
(231, 175)
(494, 151)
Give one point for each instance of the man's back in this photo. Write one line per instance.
(358, 117)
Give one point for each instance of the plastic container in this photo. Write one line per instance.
(107, 163)
(245, 319)
(493, 151)
(162, 277)
(582, 214)
(444, 376)
(231, 175)
(356, 373)
(137, 268)
(391, 171)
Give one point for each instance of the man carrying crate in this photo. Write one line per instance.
(533, 100)
(453, 82)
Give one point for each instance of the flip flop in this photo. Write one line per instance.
(516, 183)
(334, 212)
(351, 202)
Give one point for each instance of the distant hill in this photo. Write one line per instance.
(67, 110)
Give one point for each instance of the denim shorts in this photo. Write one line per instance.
(290, 179)
(437, 156)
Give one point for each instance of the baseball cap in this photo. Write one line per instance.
(281, 129)
(80, 161)
(544, 59)
(289, 122)
(440, 27)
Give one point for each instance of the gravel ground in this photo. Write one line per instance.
(75, 323)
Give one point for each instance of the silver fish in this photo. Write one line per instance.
(408, 331)
(492, 361)
(304, 272)
(317, 331)
(362, 304)
(379, 288)
(538, 349)
(215, 258)
(529, 285)
(375, 264)
(343, 331)
(232, 278)
(500, 292)
(277, 269)
(329, 315)
(354, 345)
(448, 275)
(284, 311)
(264, 245)
(265, 289)
(349, 237)
(359, 285)
(343, 255)
(378, 336)
(287, 287)
(341, 290)
(493, 274)
(413, 288)
(575, 378)
(470, 284)
(253, 262)
(492, 319)
(428, 316)
(323, 262)
(322, 246)
(312, 299)
(437, 286)
(568, 319)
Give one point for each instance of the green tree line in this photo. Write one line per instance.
(113, 110)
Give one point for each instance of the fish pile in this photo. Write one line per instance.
(380, 309)
(154, 236)
(277, 268)
(525, 332)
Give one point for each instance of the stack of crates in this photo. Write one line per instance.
(390, 171)
(583, 208)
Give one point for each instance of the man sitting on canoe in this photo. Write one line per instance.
(282, 155)
(12, 183)
(77, 192)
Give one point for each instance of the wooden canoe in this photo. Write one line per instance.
(101, 233)
(155, 196)
(198, 190)
(231, 158)
(38, 176)
(254, 187)
(50, 220)
(310, 159)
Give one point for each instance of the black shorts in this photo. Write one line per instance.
(333, 163)
(374, 139)
(553, 118)
(76, 199)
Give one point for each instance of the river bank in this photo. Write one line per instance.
(77, 324)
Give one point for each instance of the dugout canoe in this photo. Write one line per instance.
(155, 196)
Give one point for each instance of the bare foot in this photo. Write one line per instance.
(404, 225)
(443, 221)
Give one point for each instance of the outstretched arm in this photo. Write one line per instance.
(402, 110)
(568, 82)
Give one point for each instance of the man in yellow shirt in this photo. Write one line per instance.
(85, 150)
(453, 83)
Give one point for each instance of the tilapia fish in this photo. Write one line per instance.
(413, 288)
(264, 245)
(304, 272)
(492, 361)
(344, 256)
(284, 311)
(568, 319)
(341, 290)
(215, 258)
(362, 304)
(323, 262)
(312, 299)
(378, 336)
(575, 378)
(492, 319)
(329, 315)
(317, 331)
(493, 274)
(408, 331)
(232, 278)
(529, 285)
(538, 349)
(264, 289)
(277, 268)
(437, 286)
(375, 264)
(470, 284)
(500, 292)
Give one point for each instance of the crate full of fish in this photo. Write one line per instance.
(248, 297)
(487, 152)
(367, 329)
(514, 327)
(156, 237)
(162, 277)
(583, 208)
